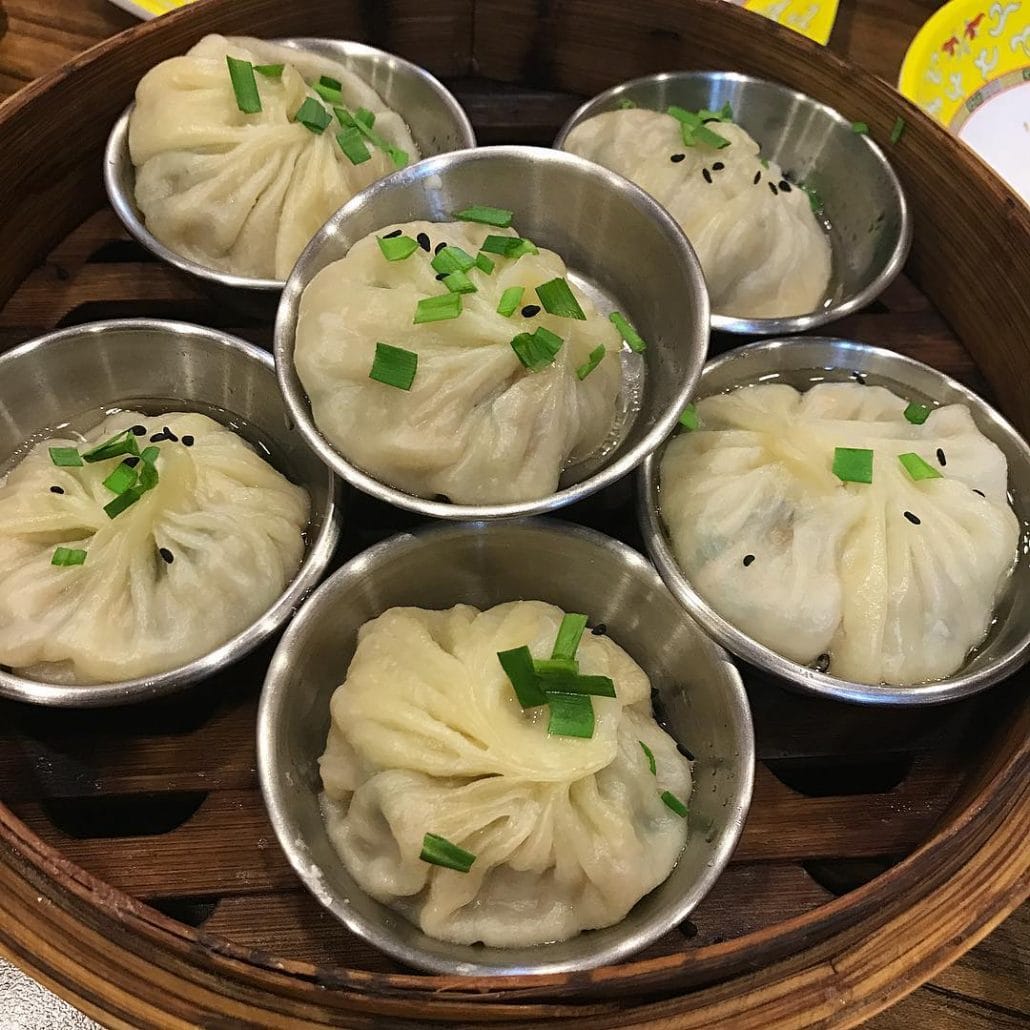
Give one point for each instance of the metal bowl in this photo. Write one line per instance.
(797, 361)
(441, 125)
(605, 228)
(485, 564)
(46, 382)
(871, 230)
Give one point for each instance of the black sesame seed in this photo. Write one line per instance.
(56, 490)
(676, 158)
(131, 461)
(758, 178)
(439, 247)
(980, 492)
(440, 276)
(822, 663)
(166, 554)
(940, 457)
(707, 174)
(187, 441)
(138, 430)
(423, 241)
(784, 186)
(718, 166)
(599, 630)
(685, 752)
(157, 438)
(530, 310)
(859, 377)
(171, 436)
(392, 235)
(772, 186)
(914, 519)
(748, 559)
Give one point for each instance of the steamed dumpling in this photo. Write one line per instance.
(427, 736)
(476, 426)
(244, 193)
(181, 571)
(894, 580)
(762, 250)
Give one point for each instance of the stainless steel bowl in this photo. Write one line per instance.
(485, 564)
(605, 228)
(871, 231)
(437, 122)
(48, 381)
(795, 361)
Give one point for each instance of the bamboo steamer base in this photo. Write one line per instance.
(139, 876)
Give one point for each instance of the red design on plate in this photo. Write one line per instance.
(950, 45)
(971, 26)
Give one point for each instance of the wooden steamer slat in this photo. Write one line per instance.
(917, 820)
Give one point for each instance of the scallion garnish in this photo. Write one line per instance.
(626, 104)
(328, 93)
(574, 683)
(570, 632)
(396, 155)
(594, 359)
(148, 470)
(439, 851)
(124, 500)
(65, 457)
(121, 443)
(572, 715)
(917, 468)
(270, 71)
(352, 144)
(651, 763)
(557, 299)
(815, 200)
(694, 129)
(365, 116)
(244, 85)
(330, 82)
(121, 479)
(394, 366)
(518, 667)
(452, 259)
(508, 246)
(397, 248)
(438, 309)
(149, 454)
(724, 114)
(898, 131)
(917, 414)
(537, 350)
(510, 300)
(459, 282)
(68, 556)
(689, 419)
(549, 668)
(484, 264)
(486, 216)
(853, 464)
(313, 116)
(629, 334)
(674, 803)
(860, 128)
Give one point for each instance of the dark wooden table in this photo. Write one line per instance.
(988, 989)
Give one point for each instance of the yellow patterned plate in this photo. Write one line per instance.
(969, 67)
(150, 8)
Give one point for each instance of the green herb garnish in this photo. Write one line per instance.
(328, 93)
(459, 282)
(484, 264)
(570, 632)
(121, 479)
(814, 198)
(270, 71)
(353, 145)
(689, 419)
(557, 298)
(508, 246)
(898, 131)
(438, 309)
(452, 259)
(724, 114)
(917, 468)
(244, 85)
(651, 763)
(365, 116)
(68, 556)
(573, 683)
(853, 464)
(548, 668)
(313, 116)
(572, 715)
(674, 803)
(510, 300)
(694, 129)
(330, 83)
(917, 414)
(860, 128)
(117, 445)
(537, 350)
(440, 851)
(593, 360)
(394, 366)
(65, 457)
(397, 156)
(518, 667)
(397, 248)
(486, 216)
(629, 334)
(626, 104)
(124, 500)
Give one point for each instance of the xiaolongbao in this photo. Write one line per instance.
(244, 193)
(893, 580)
(476, 425)
(762, 250)
(428, 737)
(128, 566)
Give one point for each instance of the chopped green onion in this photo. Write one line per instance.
(508, 246)
(683, 116)
(518, 667)
(917, 414)
(353, 146)
(549, 668)
(860, 128)
(121, 443)
(330, 83)
(270, 71)
(244, 85)
(438, 309)
(65, 457)
(328, 94)
(394, 366)
(557, 299)
(594, 359)
(853, 464)
(150, 454)
(917, 468)
(651, 763)
(814, 197)
(702, 134)
(674, 803)
(570, 632)
(124, 500)
(898, 131)
(397, 248)
(568, 683)
(313, 116)
(68, 556)
(510, 300)
(537, 350)
(121, 479)
(440, 851)
(396, 155)
(365, 116)
(452, 259)
(147, 471)
(572, 715)
(629, 334)
(486, 216)
(626, 104)
(724, 114)
(459, 282)
(689, 419)
(484, 264)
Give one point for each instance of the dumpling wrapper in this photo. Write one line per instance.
(244, 193)
(233, 524)
(476, 425)
(427, 736)
(764, 254)
(838, 569)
